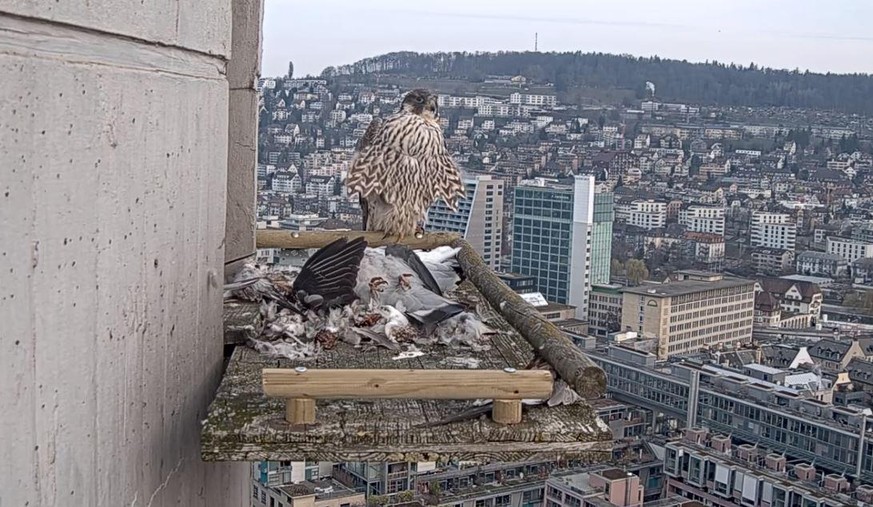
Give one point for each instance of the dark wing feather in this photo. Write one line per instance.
(408, 256)
(365, 212)
(332, 273)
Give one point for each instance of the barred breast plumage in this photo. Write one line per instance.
(401, 168)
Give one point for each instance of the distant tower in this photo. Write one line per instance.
(290, 70)
(536, 41)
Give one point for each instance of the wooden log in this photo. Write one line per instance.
(506, 411)
(301, 240)
(570, 363)
(300, 410)
(406, 384)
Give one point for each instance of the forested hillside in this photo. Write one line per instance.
(700, 83)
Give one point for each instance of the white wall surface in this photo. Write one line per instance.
(113, 165)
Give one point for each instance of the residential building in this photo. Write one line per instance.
(552, 226)
(602, 488)
(707, 219)
(849, 249)
(526, 99)
(479, 217)
(487, 485)
(711, 470)
(318, 493)
(794, 296)
(821, 263)
(835, 355)
(773, 230)
(604, 309)
(601, 237)
(646, 214)
(321, 186)
(772, 261)
(380, 478)
(701, 311)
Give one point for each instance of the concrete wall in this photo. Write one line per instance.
(113, 176)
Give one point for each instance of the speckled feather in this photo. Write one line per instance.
(401, 169)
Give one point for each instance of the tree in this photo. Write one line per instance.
(636, 271)
(290, 69)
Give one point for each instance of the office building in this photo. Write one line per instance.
(601, 237)
(608, 487)
(551, 237)
(706, 219)
(479, 217)
(700, 311)
(604, 310)
(772, 230)
(376, 478)
(790, 420)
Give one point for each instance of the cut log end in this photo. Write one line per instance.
(506, 411)
(300, 410)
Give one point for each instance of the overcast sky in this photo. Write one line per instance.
(818, 35)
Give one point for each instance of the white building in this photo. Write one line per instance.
(773, 230)
(479, 217)
(647, 214)
(533, 100)
(703, 219)
(849, 249)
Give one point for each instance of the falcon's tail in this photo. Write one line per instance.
(328, 278)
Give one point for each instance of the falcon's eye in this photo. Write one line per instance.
(419, 99)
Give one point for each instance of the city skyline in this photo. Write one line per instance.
(792, 32)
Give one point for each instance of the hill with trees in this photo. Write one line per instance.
(709, 83)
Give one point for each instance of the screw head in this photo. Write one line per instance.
(300, 369)
(419, 235)
(295, 234)
(509, 370)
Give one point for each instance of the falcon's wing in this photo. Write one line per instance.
(371, 133)
(384, 156)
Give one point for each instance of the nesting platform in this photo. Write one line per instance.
(244, 424)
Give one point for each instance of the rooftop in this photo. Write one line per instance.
(684, 287)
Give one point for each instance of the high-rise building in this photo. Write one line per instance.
(551, 237)
(701, 311)
(601, 237)
(773, 230)
(709, 219)
(479, 217)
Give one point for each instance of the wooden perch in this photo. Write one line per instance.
(571, 364)
(291, 240)
(301, 387)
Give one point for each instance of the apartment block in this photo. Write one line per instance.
(479, 217)
(714, 471)
(703, 310)
(849, 249)
(601, 237)
(706, 219)
(646, 214)
(773, 230)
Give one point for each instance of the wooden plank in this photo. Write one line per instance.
(300, 411)
(506, 411)
(294, 240)
(509, 384)
(577, 369)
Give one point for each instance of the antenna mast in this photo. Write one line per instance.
(536, 41)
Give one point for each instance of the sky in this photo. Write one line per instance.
(819, 35)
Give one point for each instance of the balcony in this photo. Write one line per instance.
(244, 424)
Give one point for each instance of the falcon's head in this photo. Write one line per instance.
(422, 103)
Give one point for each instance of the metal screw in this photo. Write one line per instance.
(419, 235)
(509, 370)
(300, 369)
(295, 234)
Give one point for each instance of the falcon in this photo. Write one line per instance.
(402, 166)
